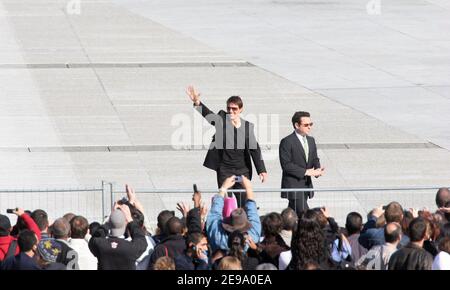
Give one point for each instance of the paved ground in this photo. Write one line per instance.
(100, 95)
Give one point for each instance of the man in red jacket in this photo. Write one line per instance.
(6, 240)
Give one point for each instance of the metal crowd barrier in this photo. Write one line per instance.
(340, 201)
(95, 202)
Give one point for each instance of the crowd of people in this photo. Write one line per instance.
(228, 237)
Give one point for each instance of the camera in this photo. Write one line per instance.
(238, 178)
(124, 200)
(11, 210)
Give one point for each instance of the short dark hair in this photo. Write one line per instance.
(290, 219)
(163, 217)
(393, 212)
(194, 238)
(353, 223)
(442, 196)
(235, 100)
(417, 229)
(40, 217)
(316, 215)
(392, 236)
(297, 118)
(27, 239)
(138, 216)
(69, 216)
(79, 226)
(272, 224)
(407, 218)
(93, 227)
(174, 226)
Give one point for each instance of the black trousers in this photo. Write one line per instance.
(299, 202)
(241, 197)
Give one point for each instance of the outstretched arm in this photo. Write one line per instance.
(209, 115)
(193, 95)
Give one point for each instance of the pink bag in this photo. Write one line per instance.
(229, 204)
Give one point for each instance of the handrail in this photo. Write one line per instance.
(296, 189)
(51, 190)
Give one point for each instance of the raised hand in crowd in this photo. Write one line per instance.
(193, 95)
(126, 211)
(132, 198)
(325, 212)
(227, 184)
(183, 208)
(251, 244)
(414, 212)
(377, 212)
(444, 209)
(197, 198)
(18, 211)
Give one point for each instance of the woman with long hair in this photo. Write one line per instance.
(309, 246)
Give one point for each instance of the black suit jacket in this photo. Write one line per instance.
(213, 158)
(294, 165)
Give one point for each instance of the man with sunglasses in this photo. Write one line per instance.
(233, 145)
(299, 161)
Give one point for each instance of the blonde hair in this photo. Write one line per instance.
(230, 263)
(164, 263)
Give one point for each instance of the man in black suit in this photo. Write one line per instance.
(233, 145)
(299, 161)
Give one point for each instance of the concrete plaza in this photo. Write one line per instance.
(98, 95)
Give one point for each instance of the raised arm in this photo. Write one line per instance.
(209, 115)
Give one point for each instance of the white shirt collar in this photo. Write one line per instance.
(300, 137)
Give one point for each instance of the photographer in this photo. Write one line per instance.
(113, 251)
(8, 243)
(245, 220)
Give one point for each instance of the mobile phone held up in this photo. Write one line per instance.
(238, 179)
(11, 210)
(195, 188)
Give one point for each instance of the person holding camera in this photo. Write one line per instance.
(246, 220)
(8, 243)
(233, 145)
(112, 250)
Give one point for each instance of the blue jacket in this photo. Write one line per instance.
(371, 236)
(184, 262)
(20, 262)
(217, 235)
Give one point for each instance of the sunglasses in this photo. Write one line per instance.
(233, 109)
(308, 125)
